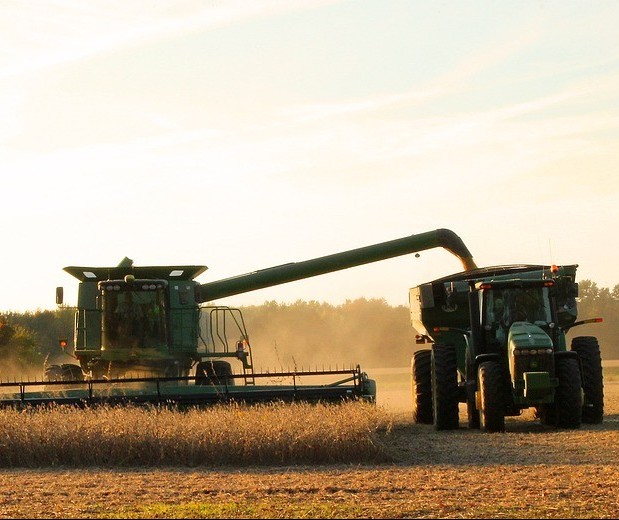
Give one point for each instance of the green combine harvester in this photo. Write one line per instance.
(150, 335)
(497, 339)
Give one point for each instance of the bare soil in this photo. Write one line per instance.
(530, 471)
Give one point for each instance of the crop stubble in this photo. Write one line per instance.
(528, 472)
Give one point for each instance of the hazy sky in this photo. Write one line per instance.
(246, 134)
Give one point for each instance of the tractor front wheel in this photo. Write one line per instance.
(492, 409)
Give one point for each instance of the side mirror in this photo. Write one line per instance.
(59, 295)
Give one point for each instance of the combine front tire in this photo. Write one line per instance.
(214, 373)
(568, 397)
(71, 372)
(445, 391)
(53, 373)
(421, 386)
(588, 351)
(491, 385)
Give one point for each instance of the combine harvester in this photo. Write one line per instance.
(149, 335)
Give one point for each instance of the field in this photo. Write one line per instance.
(528, 472)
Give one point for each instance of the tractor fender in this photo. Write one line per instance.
(480, 358)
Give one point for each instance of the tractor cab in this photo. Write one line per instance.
(504, 303)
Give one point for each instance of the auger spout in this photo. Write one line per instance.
(326, 264)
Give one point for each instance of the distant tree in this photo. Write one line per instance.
(596, 302)
(28, 339)
(314, 334)
(18, 349)
(46, 325)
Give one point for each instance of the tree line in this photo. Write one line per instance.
(303, 334)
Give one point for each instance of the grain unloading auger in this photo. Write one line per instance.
(148, 335)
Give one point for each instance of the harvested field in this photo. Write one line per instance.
(528, 472)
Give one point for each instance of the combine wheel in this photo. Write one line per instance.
(421, 386)
(491, 385)
(52, 373)
(70, 372)
(588, 351)
(568, 397)
(445, 391)
(214, 373)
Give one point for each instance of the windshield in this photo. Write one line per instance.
(134, 318)
(504, 306)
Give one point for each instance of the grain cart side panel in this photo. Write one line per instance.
(442, 305)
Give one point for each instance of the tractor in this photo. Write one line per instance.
(496, 341)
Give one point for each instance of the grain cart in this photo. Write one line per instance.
(498, 344)
(151, 334)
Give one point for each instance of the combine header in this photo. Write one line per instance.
(149, 335)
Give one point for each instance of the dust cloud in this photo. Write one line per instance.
(368, 333)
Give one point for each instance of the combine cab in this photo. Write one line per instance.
(148, 335)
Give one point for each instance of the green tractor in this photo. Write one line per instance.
(497, 339)
(150, 334)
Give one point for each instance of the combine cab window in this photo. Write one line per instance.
(134, 318)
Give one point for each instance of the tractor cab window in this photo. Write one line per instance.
(527, 304)
(502, 307)
(505, 306)
(133, 318)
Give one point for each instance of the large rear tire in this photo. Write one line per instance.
(568, 395)
(421, 386)
(588, 351)
(491, 385)
(445, 391)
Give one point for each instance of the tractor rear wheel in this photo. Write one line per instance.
(214, 373)
(421, 386)
(491, 385)
(445, 391)
(588, 351)
(568, 397)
